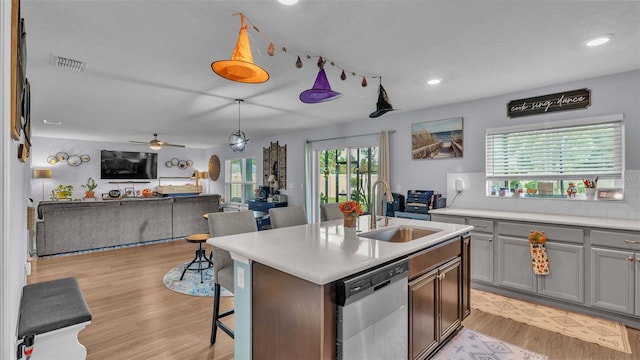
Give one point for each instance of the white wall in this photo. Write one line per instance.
(618, 93)
(77, 176)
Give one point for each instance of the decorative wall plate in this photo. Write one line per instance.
(214, 167)
(175, 161)
(189, 163)
(74, 160)
(182, 164)
(85, 158)
(52, 160)
(168, 164)
(62, 156)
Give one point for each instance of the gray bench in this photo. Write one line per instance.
(51, 315)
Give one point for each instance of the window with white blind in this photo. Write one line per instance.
(577, 151)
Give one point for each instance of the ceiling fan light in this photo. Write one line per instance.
(155, 147)
(598, 40)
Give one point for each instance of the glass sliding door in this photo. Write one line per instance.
(346, 174)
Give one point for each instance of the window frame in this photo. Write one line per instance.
(505, 168)
(228, 180)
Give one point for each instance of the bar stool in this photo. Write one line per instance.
(201, 255)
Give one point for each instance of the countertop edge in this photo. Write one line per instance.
(586, 221)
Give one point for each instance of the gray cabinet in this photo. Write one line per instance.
(613, 278)
(565, 252)
(615, 264)
(481, 250)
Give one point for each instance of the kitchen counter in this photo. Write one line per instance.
(324, 252)
(285, 281)
(604, 222)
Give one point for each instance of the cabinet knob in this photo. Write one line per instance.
(631, 241)
(480, 226)
(630, 258)
(638, 259)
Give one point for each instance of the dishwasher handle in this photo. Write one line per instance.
(363, 284)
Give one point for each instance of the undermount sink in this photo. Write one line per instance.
(399, 234)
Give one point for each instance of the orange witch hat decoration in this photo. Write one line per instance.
(241, 67)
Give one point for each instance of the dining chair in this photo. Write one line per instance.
(330, 211)
(287, 216)
(222, 224)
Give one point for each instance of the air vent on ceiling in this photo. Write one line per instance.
(68, 64)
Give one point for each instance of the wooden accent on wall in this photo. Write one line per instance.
(274, 162)
(15, 107)
(292, 318)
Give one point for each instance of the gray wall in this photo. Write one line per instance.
(618, 93)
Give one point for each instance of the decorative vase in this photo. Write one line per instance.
(590, 193)
(89, 194)
(350, 220)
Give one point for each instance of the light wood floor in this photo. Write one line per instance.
(136, 317)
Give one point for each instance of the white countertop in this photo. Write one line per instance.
(608, 223)
(321, 253)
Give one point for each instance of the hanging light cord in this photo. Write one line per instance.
(239, 101)
(321, 59)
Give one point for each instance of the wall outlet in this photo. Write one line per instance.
(459, 186)
(27, 268)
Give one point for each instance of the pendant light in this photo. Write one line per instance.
(238, 140)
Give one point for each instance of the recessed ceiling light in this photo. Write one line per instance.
(434, 82)
(51, 122)
(599, 40)
(288, 2)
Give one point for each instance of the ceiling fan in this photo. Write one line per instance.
(156, 144)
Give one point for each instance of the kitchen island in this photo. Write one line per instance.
(285, 292)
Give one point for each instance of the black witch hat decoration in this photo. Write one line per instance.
(383, 106)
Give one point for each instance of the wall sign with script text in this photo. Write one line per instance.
(568, 100)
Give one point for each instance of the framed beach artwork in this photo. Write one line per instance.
(438, 139)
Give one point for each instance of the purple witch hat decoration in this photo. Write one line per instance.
(383, 106)
(320, 92)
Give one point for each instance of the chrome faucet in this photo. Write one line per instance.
(387, 191)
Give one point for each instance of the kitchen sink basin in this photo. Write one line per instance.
(399, 234)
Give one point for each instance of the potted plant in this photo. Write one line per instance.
(90, 186)
(62, 192)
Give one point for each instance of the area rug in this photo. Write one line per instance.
(190, 284)
(471, 345)
(603, 332)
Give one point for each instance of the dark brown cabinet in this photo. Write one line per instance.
(435, 298)
(466, 277)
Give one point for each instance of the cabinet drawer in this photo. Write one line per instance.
(447, 219)
(481, 225)
(425, 260)
(619, 239)
(556, 233)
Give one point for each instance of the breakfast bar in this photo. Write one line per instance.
(285, 280)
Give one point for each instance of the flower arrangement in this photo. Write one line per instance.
(351, 207)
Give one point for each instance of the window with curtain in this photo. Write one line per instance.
(240, 180)
(563, 154)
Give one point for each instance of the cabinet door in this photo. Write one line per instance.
(612, 280)
(566, 272)
(466, 277)
(514, 267)
(423, 331)
(482, 257)
(450, 297)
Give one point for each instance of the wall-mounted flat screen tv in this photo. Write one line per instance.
(128, 165)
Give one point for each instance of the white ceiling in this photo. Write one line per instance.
(148, 61)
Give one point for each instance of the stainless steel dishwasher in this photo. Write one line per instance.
(372, 320)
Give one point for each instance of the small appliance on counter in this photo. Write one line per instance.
(279, 198)
(263, 193)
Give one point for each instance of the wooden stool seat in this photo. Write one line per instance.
(197, 238)
(201, 255)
